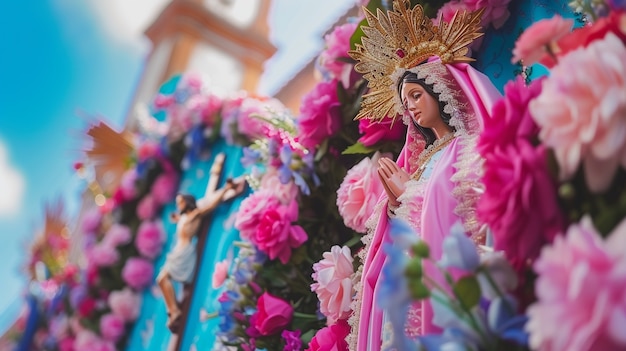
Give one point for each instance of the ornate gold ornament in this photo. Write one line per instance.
(402, 39)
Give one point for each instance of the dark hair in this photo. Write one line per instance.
(190, 203)
(427, 133)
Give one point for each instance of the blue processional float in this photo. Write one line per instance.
(278, 267)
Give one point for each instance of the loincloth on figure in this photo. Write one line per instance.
(180, 264)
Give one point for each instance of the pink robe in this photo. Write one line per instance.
(432, 216)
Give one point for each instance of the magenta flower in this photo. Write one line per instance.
(587, 124)
(103, 255)
(275, 235)
(496, 11)
(87, 340)
(91, 220)
(358, 193)
(150, 239)
(331, 338)
(164, 187)
(337, 46)
(137, 272)
(117, 235)
(112, 327)
(273, 314)
(581, 301)
(147, 207)
(125, 303)
(250, 211)
(320, 114)
(127, 184)
(374, 132)
(292, 340)
(333, 276)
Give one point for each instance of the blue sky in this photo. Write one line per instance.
(62, 59)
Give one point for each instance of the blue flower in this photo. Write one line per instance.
(250, 156)
(459, 251)
(505, 322)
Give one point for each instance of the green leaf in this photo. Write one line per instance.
(357, 148)
(358, 33)
(467, 291)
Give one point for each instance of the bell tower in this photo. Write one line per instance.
(226, 41)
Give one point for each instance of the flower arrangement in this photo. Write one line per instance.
(94, 307)
(554, 200)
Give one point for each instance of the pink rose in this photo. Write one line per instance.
(117, 235)
(164, 187)
(250, 211)
(103, 255)
(275, 235)
(374, 132)
(581, 300)
(337, 46)
(320, 114)
(333, 283)
(531, 45)
(496, 11)
(137, 272)
(147, 207)
(358, 193)
(125, 303)
(150, 239)
(285, 193)
(587, 124)
(220, 273)
(272, 316)
(112, 327)
(331, 338)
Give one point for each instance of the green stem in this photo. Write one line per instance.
(305, 315)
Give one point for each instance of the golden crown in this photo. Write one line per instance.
(402, 39)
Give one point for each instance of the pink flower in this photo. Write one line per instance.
(374, 132)
(496, 11)
(164, 187)
(220, 273)
(275, 235)
(450, 8)
(520, 203)
(103, 255)
(66, 344)
(125, 303)
(112, 327)
(163, 101)
(587, 124)
(581, 299)
(285, 193)
(273, 314)
(91, 220)
(331, 338)
(148, 149)
(292, 340)
(250, 211)
(150, 239)
(117, 235)
(250, 125)
(127, 184)
(147, 207)
(531, 45)
(137, 272)
(337, 46)
(333, 283)
(358, 193)
(87, 340)
(320, 114)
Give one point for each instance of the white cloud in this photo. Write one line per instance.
(11, 186)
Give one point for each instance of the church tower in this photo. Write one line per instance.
(226, 41)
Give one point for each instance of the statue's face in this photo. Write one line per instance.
(422, 107)
(180, 203)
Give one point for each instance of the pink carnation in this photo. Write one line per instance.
(147, 207)
(150, 239)
(587, 124)
(337, 46)
(373, 132)
(220, 273)
(103, 255)
(331, 338)
(320, 114)
(137, 272)
(125, 303)
(250, 211)
(117, 235)
(358, 193)
(275, 235)
(581, 292)
(333, 283)
(112, 327)
(285, 193)
(164, 187)
(531, 45)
